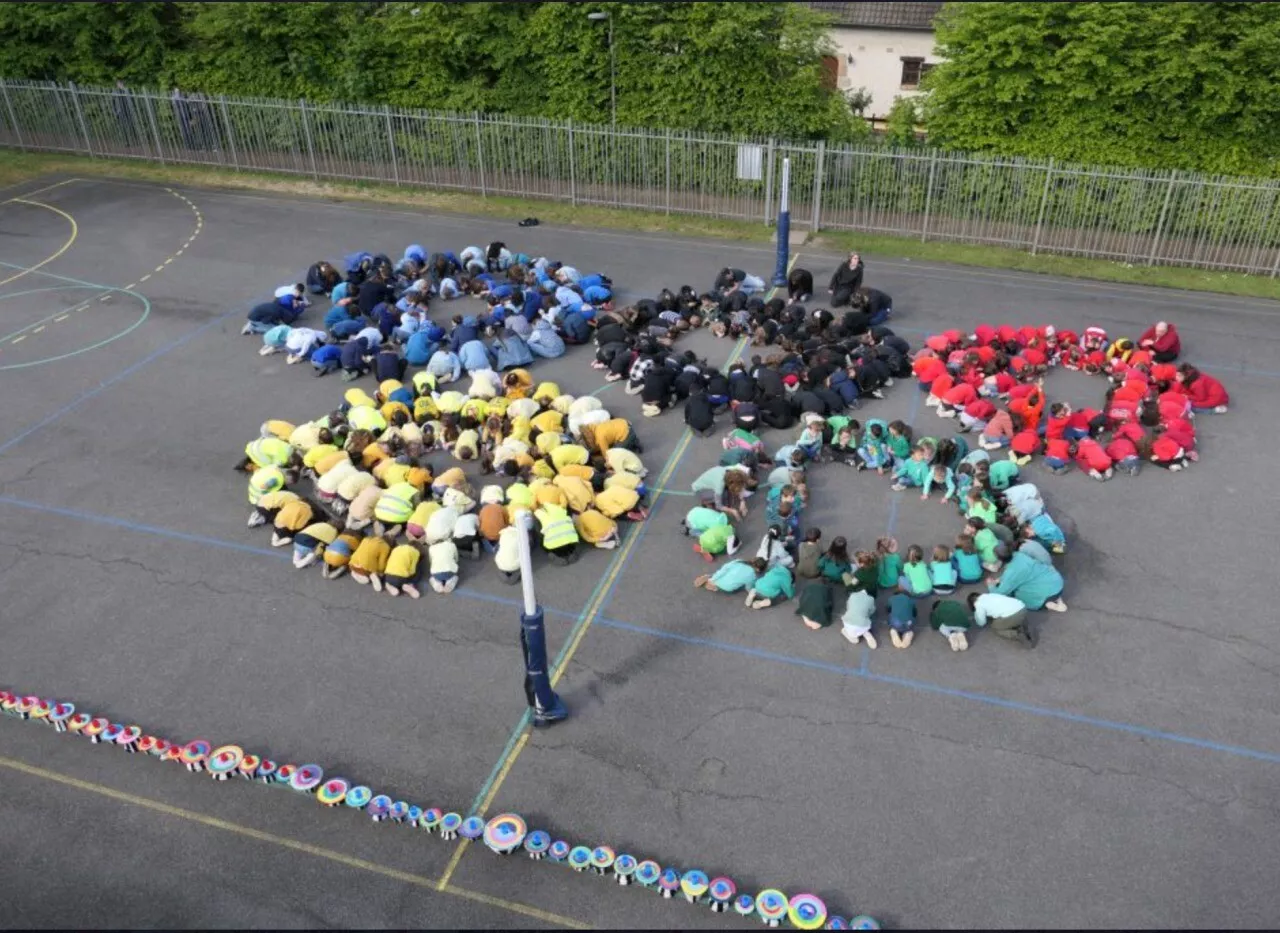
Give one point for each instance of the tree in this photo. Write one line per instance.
(900, 125)
(92, 43)
(1167, 85)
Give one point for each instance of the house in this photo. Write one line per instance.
(883, 47)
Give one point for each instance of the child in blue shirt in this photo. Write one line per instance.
(939, 475)
(327, 359)
(875, 446)
(967, 561)
(942, 571)
(902, 620)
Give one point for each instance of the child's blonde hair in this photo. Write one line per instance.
(941, 554)
(886, 545)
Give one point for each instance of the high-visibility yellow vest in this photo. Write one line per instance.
(268, 451)
(264, 480)
(396, 505)
(557, 527)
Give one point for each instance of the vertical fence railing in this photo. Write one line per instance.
(1129, 215)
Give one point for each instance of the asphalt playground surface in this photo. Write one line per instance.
(1120, 775)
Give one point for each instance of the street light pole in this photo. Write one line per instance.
(613, 66)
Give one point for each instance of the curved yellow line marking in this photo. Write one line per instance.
(75, 232)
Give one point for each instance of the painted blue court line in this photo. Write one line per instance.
(63, 278)
(123, 374)
(921, 686)
(277, 553)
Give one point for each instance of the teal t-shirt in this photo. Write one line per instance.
(890, 570)
(700, 519)
(734, 576)
(942, 573)
(917, 575)
(968, 566)
(775, 583)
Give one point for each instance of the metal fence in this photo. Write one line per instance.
(1128, 215)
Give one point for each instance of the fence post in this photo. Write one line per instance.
(817, 187)
(668, 173)
(231, 133)
(155, 127)
(391, 141)
(1044, 201)
(573, 187)
(84, 128)
(768, 183)
(306, 129)
(13, 117)
(480, 152)
(928, 196)
(1164, 212)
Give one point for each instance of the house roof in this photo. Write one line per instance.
(881, 15)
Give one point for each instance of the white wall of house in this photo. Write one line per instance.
(877, 61)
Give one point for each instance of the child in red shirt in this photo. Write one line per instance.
(940, 387)
(976, 414)
(1024, 445)
(1206, 393)
(1123, 449)
(1091, 458)
(956, 399)
(1057, 454)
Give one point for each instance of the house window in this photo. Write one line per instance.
(913, 69)
(830, 72)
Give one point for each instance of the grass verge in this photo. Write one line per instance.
(16, 167)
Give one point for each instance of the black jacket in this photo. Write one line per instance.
(846, 279)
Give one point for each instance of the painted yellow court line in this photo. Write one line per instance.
(249, 832)
(27, 194)
(592, 610)
(75, 232)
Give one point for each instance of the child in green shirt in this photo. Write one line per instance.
(890, 562)
(915, 580)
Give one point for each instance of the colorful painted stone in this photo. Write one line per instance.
(172, 753)
(266, 772)
(431, 818)
(472, 828)
(744, 904)
(399, 810)
(414, 814)
(579, 858)
(693, 884)
(284, 774)
(40, 712)
(558, 851)
(624, 866)
(806, 912)
(835, 922)
(863, 922)
(112, 733)
(249, 766)
(332, 792)
(722, 891)
(95, 728)
(26, 705)
(504, 833)
(161, 746)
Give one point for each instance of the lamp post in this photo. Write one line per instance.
(613, 65)
(544, 705)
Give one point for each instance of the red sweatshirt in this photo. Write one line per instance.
(928, 369)
(1058, 448)
(983, 410)
(1056, 428)
(1207, 392)
(1024, 443)
(1091, 456)
(960, 395)
(1121, 448)
(1169, 343)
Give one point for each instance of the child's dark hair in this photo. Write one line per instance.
(876, 430)
(839, 549)
(965, 543)
(915, 553)
(813, 535)
(901, 427)
(976, 523)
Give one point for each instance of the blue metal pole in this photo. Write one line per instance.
(784, 227)
(544, 705)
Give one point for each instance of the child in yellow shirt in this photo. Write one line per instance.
(403, 570)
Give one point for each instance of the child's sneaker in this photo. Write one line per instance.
(898, 487)
(946, 412)
(907, 638)
(412, 591)
(1175, 468)
(376, 581)
(1096, 475)
(247, 329)
(697, 549)
(1220, 410)
(256, 519)
(932, 401)
(1056, 605)
(895, 638)
(1193, 456)
(870, 640)
(1058, 548)
(393, 589)
(306, 561)
(888, 384)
